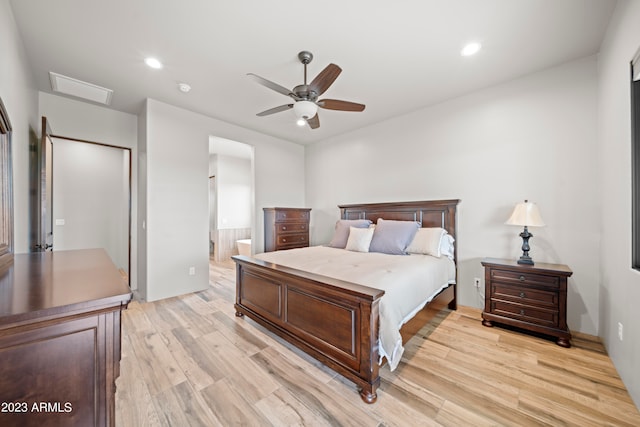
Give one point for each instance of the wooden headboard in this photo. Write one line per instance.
(429, 213)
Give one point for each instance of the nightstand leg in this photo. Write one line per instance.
(487, 323)
(563, 342)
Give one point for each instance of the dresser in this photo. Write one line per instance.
(530, 297)
(286, 228)
(60, 339)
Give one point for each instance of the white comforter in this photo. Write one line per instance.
(409, 282)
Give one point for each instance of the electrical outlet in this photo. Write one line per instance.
(620, 331)
(192, 271)
(476, 282)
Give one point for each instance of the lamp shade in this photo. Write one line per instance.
(526, 213)
(305, 109)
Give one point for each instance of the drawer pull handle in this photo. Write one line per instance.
(522, 294)
(284, 240)
(521, 312)
(521, 278)
(284, 227)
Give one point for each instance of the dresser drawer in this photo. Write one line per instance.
(525, 313)
(525, 295)
(292, 228)
(296, 240)
(292, 216)
(525, 278)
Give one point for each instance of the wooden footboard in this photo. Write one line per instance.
(332, 320)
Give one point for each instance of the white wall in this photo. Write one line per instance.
(620, 289)
(531, 138)
(82, 120)
(176, 183)
(21, 101)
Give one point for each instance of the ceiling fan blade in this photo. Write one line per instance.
(314, 122)
(271, 85)
(275, 110)
(325, 79)
(336, 104)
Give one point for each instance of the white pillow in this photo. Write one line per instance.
(446, 245)
(359, 239)
(427, 241)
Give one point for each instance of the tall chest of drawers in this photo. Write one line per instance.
(286, 228)
(531, 297)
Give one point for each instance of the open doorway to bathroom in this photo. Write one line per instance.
(231, 199)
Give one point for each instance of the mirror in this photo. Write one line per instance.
(6, 190)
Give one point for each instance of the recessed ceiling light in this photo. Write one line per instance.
(470, 49)
(153, 63)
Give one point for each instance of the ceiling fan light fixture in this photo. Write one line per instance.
(301, 122)
(305, 109)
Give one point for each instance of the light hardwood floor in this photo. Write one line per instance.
(188, 361)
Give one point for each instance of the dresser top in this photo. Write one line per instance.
(538, 267)
(286, 209)
(51, 284)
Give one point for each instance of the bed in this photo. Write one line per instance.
(334, 320)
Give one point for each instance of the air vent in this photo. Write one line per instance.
(79, 89)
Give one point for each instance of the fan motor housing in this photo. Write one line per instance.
(305, 92)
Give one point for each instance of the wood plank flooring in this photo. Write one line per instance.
(188, 361)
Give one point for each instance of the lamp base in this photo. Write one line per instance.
(525, 260)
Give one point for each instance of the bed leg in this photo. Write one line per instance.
(368, 395)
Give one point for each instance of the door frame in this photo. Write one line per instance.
(130, 177)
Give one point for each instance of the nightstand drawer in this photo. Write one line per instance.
(524, 295)
(292, 228)
(525, 313)
(525, 278)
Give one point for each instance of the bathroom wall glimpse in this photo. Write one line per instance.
(230, 198)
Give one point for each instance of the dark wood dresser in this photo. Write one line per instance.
(60, 339)
(286, 228)
(531, 297)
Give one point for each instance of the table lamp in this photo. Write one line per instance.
(526, 214)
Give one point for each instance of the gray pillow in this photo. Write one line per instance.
(341, 233)
(393, 237)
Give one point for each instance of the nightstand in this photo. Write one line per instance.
(531, 297)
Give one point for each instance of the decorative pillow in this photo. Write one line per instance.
(446, 245)
(393, 237)
(341, 233)
(359, 239)
(427, 241)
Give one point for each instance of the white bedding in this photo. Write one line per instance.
(409, 282)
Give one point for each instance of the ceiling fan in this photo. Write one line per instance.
(306, 95)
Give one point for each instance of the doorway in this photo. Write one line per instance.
(231, 197)
(84, 197)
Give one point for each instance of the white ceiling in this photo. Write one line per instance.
(396, 57)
